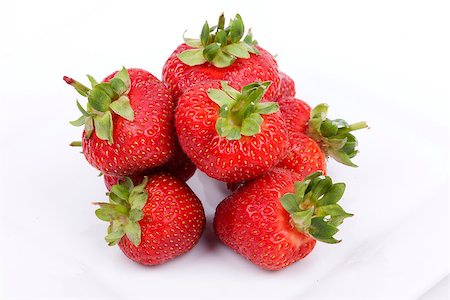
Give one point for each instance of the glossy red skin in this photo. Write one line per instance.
(304, 156)
(142, 144)
(296, 114)
(287, 86)
(173, 222)
(219, 158)
(179, 76)
(253, 223)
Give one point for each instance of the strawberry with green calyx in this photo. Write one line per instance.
(230, 135)
(313, 207)
(334, 136)
(275, 220)
(124, 211)
(128, 122)
(218, 45)
(313, 137)
(155, 221)
(221, 54)
(103, 99)
(240, 112)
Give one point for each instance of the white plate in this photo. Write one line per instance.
(396, 246)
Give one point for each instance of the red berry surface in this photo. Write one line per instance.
(253, 222)
(287, 86)
(296, 114)
(223, 159)
(304, 156)
(144, 143)
(172, 224)
(263, 67)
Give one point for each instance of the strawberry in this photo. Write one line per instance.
(180, 166)
(221, 54)
(155, 221)
(334, 136)
(312, 140)
(230, 135)
(275, 220)
(128, 122)
(287, 86)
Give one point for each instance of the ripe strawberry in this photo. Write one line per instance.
(287, 86)
(179, 166)
(230, 135)
(221, 54)
(155, 221)
(314, 139)
(275, 220)
(128, 122)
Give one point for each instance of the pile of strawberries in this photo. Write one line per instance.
(223, 107)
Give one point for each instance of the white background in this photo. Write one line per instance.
(386, 62)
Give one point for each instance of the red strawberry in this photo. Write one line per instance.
(221, 54)
(275, 220)
(287, 86)
(180, 166)
(230, 135)
(314, 139)
(128, 122)
(155, 221)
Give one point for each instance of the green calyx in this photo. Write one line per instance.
(124, 211)
(313, 207)
(334, 135)
(220, 45)
(240, 112)
(103, 99)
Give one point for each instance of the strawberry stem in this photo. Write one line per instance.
(75, 144)
(240, 112)
(353, 127)
(81, 88)
(219, 45)
(314, 208)
(334, 136)
(251, 95)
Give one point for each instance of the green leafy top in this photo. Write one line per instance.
(313, 207)
(103, 98)
(124, 211)
(334, 135)
(240, 112)
(219, 45)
